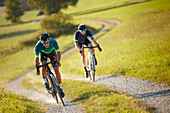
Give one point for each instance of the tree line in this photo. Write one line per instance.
(14, 9)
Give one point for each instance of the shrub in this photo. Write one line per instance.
(56, 24)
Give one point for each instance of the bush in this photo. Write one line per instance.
(56, 24)
(14, 10)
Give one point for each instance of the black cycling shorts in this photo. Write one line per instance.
(86, 42)
(52, 56)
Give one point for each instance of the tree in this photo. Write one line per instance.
(56, 24)
(51, 6)
(14, 10)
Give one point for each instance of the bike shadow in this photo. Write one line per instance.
(154, 94)
(87, 95)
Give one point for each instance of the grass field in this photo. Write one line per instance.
(138, 47)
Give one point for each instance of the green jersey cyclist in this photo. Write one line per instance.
(47, 47)
(81, 39)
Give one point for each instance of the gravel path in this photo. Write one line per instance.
(154, 94)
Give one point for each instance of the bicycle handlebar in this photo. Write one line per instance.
(89, 47)
(46, 64)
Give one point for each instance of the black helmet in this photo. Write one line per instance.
(44, 36)
(81, 27)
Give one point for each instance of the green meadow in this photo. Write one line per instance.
(138, 47)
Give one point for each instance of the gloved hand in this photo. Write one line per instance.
(38, 70)
(99, 48)
(80, 51)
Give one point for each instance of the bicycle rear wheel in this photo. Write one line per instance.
(57, 88)
(92, 71)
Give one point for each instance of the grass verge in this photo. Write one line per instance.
(96, 98)
(11, 103)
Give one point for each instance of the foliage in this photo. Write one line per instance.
(14, 10)
(56, 24)
(51, 6)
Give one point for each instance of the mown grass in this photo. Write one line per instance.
(11, 103)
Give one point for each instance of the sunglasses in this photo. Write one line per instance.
(82, 30)
(45, 42)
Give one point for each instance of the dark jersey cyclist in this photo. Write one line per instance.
(46, 48)
(81, 38)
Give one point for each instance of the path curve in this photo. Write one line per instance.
(47, 99)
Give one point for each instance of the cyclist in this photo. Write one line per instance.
(81, 39)
(46, 48)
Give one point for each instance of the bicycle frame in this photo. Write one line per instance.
(91, 63)
(90, 57)
(54, 83)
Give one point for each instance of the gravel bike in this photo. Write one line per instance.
(91, 63)
(53, 83)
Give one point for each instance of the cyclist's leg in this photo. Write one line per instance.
(91, 45)
(43, 58)
(52, 57)
(57, 73)
(82, 56)
(58, 76)
(83, 60)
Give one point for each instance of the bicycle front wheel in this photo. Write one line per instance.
(58, 89)
(92, 71)
(53, 91)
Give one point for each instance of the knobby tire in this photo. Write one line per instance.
(54, 93)
(57, 88)
(92, 73)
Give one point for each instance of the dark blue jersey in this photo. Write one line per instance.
(79, 38)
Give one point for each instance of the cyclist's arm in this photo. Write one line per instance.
(92, 38)
(37, 64)
(77, 46)
(94, 41)
(58, 56)
(37, 50)
(99, 48)
(76, 40)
